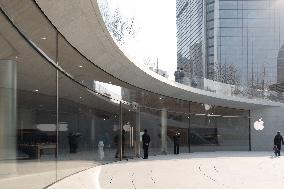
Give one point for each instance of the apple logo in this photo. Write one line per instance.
(127, 127)
(207, 107)
(258, 125)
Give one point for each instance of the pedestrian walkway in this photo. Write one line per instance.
(214, 170)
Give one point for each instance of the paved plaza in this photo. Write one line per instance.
(234, 170)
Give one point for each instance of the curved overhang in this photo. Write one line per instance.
(81, 23)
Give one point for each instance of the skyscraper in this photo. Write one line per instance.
(190, 40)
(280, 65)
(230, 41)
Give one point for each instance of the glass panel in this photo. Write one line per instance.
(129, 130)
(177, 132)
(90, 128)
(203, 133)
(233, 133)
(218, 128)
(27, 114)
(150, 119)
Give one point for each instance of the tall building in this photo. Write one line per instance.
(190, 40)
(230, 41)
(280, 65)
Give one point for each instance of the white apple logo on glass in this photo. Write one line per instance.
(207, 107)
(258, 125)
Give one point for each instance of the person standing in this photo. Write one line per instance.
(73, 139)
(176, 142)
(119, 144)
(116, 144)
(123, 142)
(71, 142)
(146, 141)
(278, 140)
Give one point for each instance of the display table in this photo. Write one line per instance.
(36, 150)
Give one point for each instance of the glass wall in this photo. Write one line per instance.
(238, 46)
(150, 119)
(190, 43)
(60, 114)
(217, 128)
(178, 122)
(28, 113)
(87, 127)
(129, 130)
(249, 39)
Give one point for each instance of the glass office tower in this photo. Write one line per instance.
(190, 42)
(239, 39)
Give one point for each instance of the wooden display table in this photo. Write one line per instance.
(36, 150)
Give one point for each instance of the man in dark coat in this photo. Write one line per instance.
(146, 142)
(73, 139)
(176, 142)
(278, 140)
(117, 143)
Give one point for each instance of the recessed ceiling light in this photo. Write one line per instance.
(109, 82)
(129, 110)
(104, 119)
(43, 38)
(16, 57)
(36, 90)
(80, 97)
(200, 114)
(80, 66)
(231, 116)
(211, 115)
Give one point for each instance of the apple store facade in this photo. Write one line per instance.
(60, 113)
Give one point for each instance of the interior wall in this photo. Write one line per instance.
(273, 121)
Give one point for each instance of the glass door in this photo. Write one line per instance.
(129, 122)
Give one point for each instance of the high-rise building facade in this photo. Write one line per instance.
(230, 41)
(280, 65)
(190, 41)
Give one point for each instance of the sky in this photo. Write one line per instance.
(156, 31)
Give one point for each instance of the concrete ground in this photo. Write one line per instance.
(197, 170)
(38, 173)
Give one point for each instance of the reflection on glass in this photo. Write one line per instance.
(27, 114)
(92, 123)
(129, 129)
(235, 52)
(177, 132)
(218, 128)
(151, 120)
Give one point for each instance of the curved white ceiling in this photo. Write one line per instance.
(82, 25)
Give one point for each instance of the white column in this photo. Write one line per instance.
(8, 109)
(93, 132)
(138, 129)
(164, 131)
